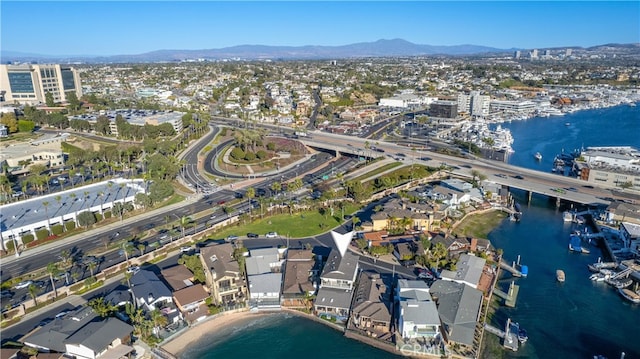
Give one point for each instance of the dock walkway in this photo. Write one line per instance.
(511, 297)
(509, 268)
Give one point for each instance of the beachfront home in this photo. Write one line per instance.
(336, 286)
(265, 278)
(459, 309)
(371, 311)
(83, 335)
(299, 278)
(191, 302)
(468, 270)
(223, 275)
(149, 291)
(108, 338)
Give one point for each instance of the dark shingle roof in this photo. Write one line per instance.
(98, 335)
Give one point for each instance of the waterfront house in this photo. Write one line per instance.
(223, 275)
(630, 233)
(371, 311)
(265, 278)
(336, 285)
(149, 291)
(82, 334)
(618, 212)
(108, 338)
(418, 319)
(459, 308)
(177, 277)
(191, 302)
(299, 277)
(468, 270)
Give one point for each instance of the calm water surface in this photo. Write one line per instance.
(575, 319)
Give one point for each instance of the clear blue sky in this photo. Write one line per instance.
(113, 28)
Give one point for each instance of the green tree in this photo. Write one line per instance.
(48, 99)
(53, 270)
(73, 101)
(33, 293)
(9, 119)
(195, 266)
(102, 308)
(86, 219)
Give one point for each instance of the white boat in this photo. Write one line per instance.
(538, 156)
(567, 216)
(560, 275)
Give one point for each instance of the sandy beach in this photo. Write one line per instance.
(193, 334)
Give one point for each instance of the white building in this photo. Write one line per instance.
(28, 216)
(28, 84)
(474, 103)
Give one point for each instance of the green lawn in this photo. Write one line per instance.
(302, 224)
(479, 225)
(378, 170)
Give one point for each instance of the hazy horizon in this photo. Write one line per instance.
(108, 28)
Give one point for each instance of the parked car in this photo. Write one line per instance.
(62, 314)
(231, 238)
(23, 284)
(252, 235)
(185, 249)
(133, 269)
(6, 294)
(271, 235)
(424, 273)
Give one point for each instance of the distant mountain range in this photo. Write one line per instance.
(380, 48)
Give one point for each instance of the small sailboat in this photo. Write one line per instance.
(538, 156)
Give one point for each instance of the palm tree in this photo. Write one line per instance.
(250, 193)
(86, 197)
(158, 320)
(33, 292)
(127, 249)
(141, 248)
(127, 279)
(92, 266)
(45, 204)
(53, 270)
(184, 221)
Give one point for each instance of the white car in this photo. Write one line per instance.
(133, 270)
(23, 284)
(271, 235)
(185, 249)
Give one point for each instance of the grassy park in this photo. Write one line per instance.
(298, 225)
(479, 225)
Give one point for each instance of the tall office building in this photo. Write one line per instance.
(517, 54)
(534, 54)
(567, 52)
(28, 84)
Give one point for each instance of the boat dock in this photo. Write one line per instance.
(513, 268)
(511, 297)
(509, 338)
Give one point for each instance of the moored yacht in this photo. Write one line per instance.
(538, 156)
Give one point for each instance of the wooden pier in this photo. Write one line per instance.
(510, 268)
(509, 338)
(511, 297)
